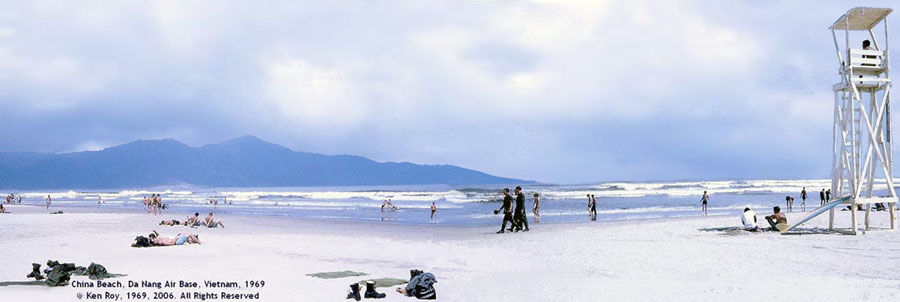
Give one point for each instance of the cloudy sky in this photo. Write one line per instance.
(554, 91)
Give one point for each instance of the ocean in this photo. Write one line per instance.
(458, 205)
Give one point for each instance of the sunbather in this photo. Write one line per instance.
(193, 221)
(170, 222)
(211, 223)
(180, 239)
(777, 218)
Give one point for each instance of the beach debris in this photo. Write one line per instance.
(35, 272)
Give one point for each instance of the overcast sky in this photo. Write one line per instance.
(554, 91)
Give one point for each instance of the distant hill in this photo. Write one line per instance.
(242, 162)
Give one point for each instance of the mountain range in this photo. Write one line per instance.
(242, 162)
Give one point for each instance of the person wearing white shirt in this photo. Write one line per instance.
(749, 220)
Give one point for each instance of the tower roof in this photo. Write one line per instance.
(861, 18)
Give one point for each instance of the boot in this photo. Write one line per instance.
(35, 272)
(413, 273)
(370, 291)
(354, 292)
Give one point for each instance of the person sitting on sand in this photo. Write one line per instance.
(749, 220)
(193, 221)
(2, 209)
(211, 223)
(170, 222)
(180, 239)
(777, 218)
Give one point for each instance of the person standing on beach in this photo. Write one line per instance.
(827, 195)
(507, 211)
(19, 198)
(803, 199)
(703, 201)
(536, 209)
(48, 201)
(789, 203)
(593, 208)
(822, 197)
(520, 217)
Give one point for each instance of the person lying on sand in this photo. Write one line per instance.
(170, 222)
(180, 239)
(777, 218)
(211, 223)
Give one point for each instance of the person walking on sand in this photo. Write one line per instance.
(536, 209)
(803, 199)
(593, 208)
(703, 201)
(507, 211)
(822, 197)
(48, 201)
(520, 218)
(827, 195)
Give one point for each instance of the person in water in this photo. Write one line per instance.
(520, 218)
(433, 209)
(507, 211)
(789, 203)
(180, 239)
(536, 209)
(593, 207)
(803, 199)
(703, 201)
(776, 218)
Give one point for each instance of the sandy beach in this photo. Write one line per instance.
(691, 259)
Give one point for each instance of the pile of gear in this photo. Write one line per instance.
(420, 285)
(58, 274)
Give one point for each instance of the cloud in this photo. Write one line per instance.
(557, 91)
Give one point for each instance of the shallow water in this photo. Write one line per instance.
(460, 205)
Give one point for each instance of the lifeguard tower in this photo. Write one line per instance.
(862, 116)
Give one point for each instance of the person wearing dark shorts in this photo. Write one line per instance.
(703, 201)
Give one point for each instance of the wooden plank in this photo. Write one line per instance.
(871, 200)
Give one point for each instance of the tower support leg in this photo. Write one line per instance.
(853, 217)
(892, 206)
(831, 220)
(868, 210)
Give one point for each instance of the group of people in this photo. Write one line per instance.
(153, 204)
(14, 199)
(515, 216)
(777, 221)
(194, 221)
